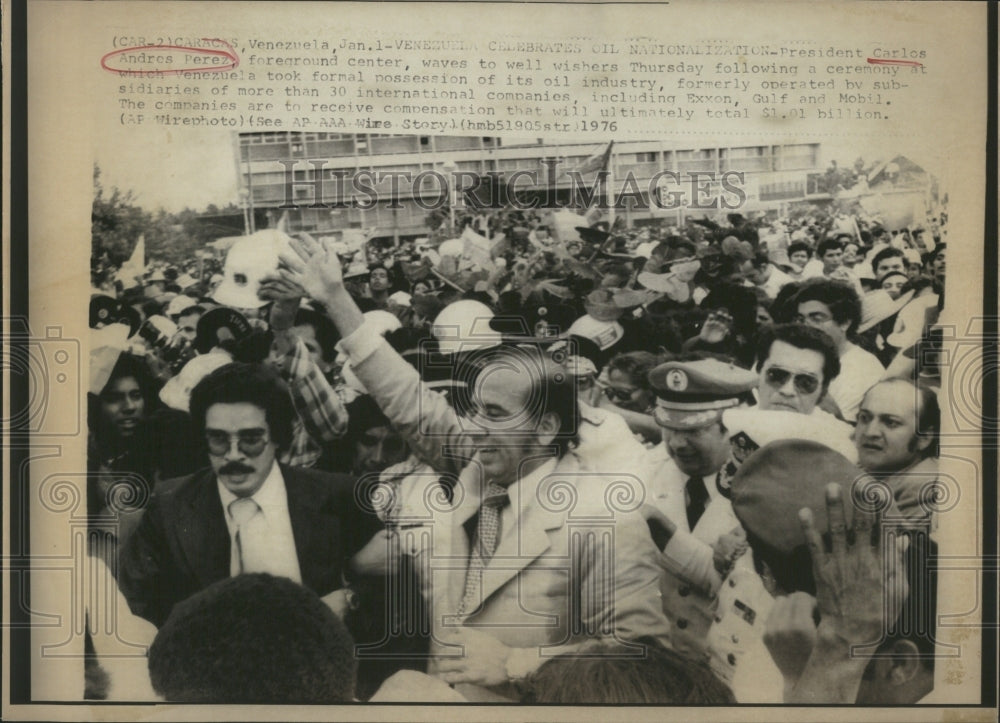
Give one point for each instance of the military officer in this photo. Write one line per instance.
(689, 516)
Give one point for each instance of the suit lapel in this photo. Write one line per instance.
(519, 547)
(317, 530)
(202, 532)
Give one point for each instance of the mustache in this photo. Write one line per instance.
(235, 468)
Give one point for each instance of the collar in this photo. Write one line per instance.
(270, 496)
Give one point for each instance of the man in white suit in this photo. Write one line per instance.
(536, 553)
(690, 518)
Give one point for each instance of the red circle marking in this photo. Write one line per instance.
(889, 61)
(229, 53)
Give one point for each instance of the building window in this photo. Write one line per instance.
(425, 140)
(646, 157)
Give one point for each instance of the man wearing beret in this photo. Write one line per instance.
(688, 514)
(842, 627)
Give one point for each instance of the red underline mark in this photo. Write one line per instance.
(229, 53)
(887, 61)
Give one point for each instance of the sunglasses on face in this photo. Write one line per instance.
(804, 383)
(720, 316)
(616, 394)
(250, 442)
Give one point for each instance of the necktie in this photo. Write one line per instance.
(243, 511)
(484, 544)
(697, 495)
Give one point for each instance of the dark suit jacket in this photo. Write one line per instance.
(182, 544)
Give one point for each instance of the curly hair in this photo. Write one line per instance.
(253, 638)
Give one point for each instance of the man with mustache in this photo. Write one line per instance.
(247, 513)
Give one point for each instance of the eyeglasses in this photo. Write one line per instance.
(250, 442)
(720, 316)
(816, 317)
(616, 394)
(804, 383)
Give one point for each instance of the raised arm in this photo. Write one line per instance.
(421, 416)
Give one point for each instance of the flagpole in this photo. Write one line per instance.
(611, 185)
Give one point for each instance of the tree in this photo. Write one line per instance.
(115, 226)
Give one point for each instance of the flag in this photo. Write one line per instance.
(133, 269)
(597, 162)
(477, 249)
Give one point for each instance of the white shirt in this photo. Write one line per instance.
(775, 281)
(272, 527)
(665, 487)
(859, 372)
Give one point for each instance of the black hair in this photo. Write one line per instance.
(327, 335)
(840, 298)
(797, 246)
(887, 253)
(255, 384)
(801, 336)
(825, 246)
(253, 638)
(636, 364)
(740, 302)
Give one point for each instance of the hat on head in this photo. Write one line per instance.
(105, 310)
(911, 321)
(877, 306)
(176, 393)
(401, 297)
(692, 394)
(178, 304)
(216, 320)
(465, 326)
(604, 334)
(249, 260)
(185, 280)
(751, 428)
(157, 275)
(778, 480)
(106, 345)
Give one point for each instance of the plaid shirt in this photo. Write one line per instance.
(320, 413)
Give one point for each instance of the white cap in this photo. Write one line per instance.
(179, 303)
(248, 261)
(464, 326)
(176, 393)
(106, 345)
(603, 333)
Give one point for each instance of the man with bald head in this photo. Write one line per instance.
(896, 437)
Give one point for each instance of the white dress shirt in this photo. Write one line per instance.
(271, 528)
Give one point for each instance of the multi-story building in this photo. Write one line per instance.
(309, 175)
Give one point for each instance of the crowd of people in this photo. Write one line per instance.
(533, 457)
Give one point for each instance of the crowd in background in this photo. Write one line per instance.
(731, 368)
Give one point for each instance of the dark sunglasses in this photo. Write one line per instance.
(615, 394)
(250, 442)
(804, 383)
